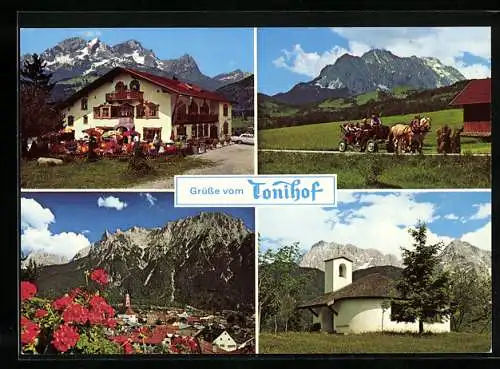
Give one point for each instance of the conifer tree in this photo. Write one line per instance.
(424, 287)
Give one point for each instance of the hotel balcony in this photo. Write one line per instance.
(127, 95)
(197, 118)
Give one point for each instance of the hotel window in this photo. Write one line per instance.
(140, 111)
(85, 119)
(97, 112)
(71, 120)
(226, 128)
(120, 86)
(149, 133)
(204, 108)
(225, 110)
(153, 110)
(181, 130)
(126, 110)
(134, 85)
(194, 130)
(193, 108)
(106, 112)
(180, 113)
(84, 103)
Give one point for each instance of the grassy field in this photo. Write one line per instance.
(238, 122)
(101, 174)
(320, 343)
(326, 136)
(357, 171)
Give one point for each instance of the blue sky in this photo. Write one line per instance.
(380, 220)
(287, 56)
(216, 50)
(64, 222)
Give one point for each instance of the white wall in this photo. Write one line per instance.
(97, 97)
(333, 281)
(366, 315)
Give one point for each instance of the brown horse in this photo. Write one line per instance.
(417, 137)
(399, 135)
(443, 140)
(405, 137)
(455, 141)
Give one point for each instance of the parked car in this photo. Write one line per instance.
(245, 138)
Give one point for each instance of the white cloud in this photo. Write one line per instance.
(451, 217)
(34, 215)
(308, 63)
(90, 33)
(85, 231)
(111, 202)
(150, 199)
(480, 237)
(65, 244)
(483, 211)
(381, 222)
(346, 197)
(36, 236)
(448, 44)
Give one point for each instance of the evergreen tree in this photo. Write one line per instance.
(423, 287)
(34, 74)
(30, 272)
(37, 116)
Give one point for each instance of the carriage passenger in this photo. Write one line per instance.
(375, 121)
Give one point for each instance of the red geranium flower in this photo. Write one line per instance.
(75, 313)
(100, 276)
(65, 337)
(29, 331)
(128, 348)
(110, 323)
(76, 293)
(28, 290)
(62, 302)
(40, 313)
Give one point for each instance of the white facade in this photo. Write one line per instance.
(363, 314)
(128, 318)
(225, 342)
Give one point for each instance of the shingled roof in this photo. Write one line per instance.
(171, 85)
(375, 285)
(477, 91)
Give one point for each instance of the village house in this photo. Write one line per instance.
(128, 316)
(225, 342)
(359, 306)
(475, 99)
(152, 105)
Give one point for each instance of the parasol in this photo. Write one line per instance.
(110, 134)
(93, 131)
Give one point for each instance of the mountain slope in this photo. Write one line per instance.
(241, 92)
(75, 62)
(456, 253)
(376, 69)
(41, 258)
(205, 260)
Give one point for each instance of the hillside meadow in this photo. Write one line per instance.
(326, 136)
(322, 343)
(384, 171)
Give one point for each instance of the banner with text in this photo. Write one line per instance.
(250, 191)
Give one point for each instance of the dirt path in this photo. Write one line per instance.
(233, 159)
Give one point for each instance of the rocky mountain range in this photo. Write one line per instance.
(241, 92)
(205, 260)
(376, 69)
(75, 62)
(42, 258)
(456, 253)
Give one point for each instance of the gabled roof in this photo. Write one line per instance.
(171, 85)
(375, 285)
(477, 91)
(339, 257)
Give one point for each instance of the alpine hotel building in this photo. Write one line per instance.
(149, 104)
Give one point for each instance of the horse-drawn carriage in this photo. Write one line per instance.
(365, 138)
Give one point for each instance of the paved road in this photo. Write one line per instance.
(233, 159)
(354, 152)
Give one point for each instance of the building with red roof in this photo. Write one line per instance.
(153, 105)
(475, 99)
